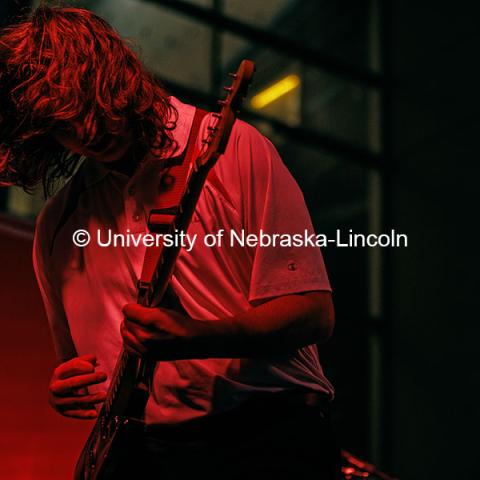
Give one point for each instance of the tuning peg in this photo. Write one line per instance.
(228, 89)
(216, 115)
(212, 129)
(221, 102)
(233, 75)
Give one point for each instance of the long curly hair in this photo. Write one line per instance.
(60, 64)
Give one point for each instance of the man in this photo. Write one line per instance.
(237, 367)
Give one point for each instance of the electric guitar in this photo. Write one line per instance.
(121, 416)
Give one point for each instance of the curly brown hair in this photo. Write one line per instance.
(60, 64)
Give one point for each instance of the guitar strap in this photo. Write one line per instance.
(173, 183)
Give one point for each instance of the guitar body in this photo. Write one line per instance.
(120, 419)
(118, 424)
(100, 457)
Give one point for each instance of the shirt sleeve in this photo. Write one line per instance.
(271, 202)
(60, 331)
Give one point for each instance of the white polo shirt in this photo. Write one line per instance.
(84, 289)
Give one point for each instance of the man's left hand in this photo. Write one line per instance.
(159, 333)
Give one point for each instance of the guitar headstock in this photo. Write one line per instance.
(219, 133)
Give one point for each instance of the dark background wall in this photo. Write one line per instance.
(435, 127)
(430, 322)
(36, 443)
(8, 10)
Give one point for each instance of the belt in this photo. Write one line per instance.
(258, 406)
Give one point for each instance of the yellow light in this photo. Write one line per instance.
(275, 91)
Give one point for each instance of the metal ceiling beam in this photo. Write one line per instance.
(286, 46)
(305, 136)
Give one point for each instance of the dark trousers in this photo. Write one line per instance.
(260, 440)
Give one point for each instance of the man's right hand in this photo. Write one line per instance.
(68, 392)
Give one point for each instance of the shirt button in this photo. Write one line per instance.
(132, 190)
(136, 217)
(292, 266)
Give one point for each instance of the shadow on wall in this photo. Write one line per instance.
(36, 443)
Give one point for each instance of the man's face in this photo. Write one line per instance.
(107, 148)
